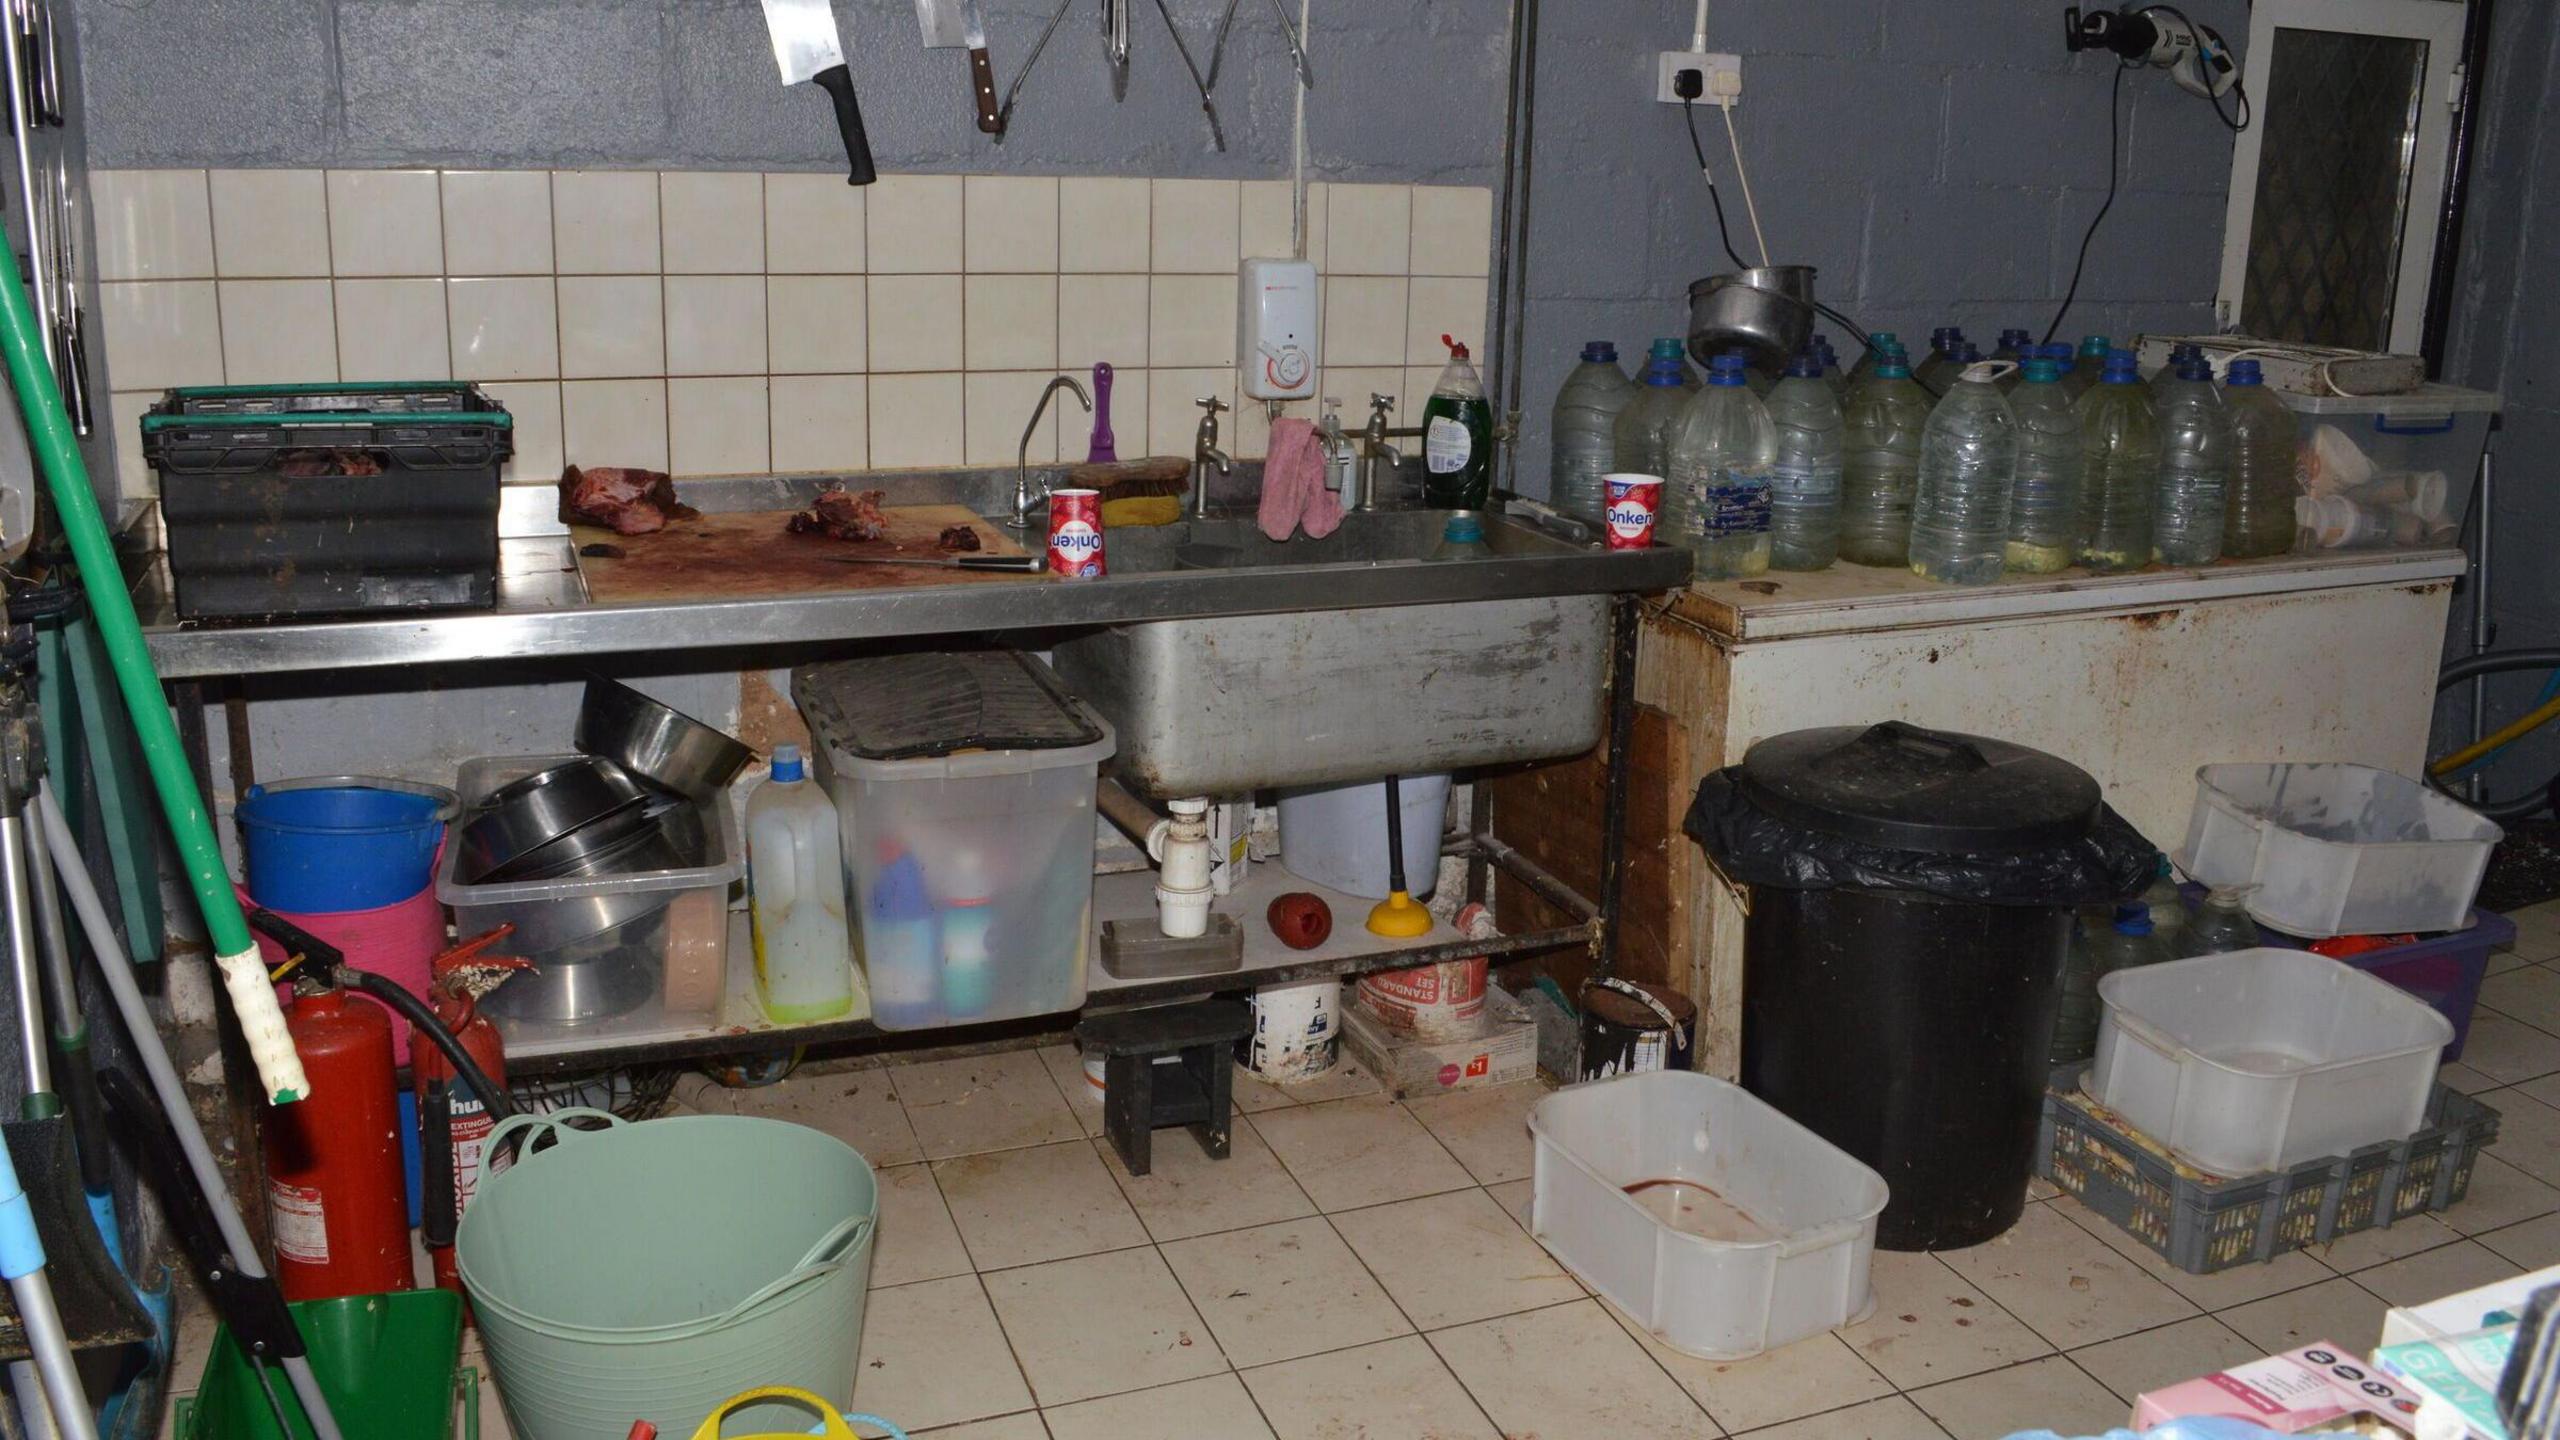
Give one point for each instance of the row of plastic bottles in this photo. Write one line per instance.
(2145, 931)
(1961, 470)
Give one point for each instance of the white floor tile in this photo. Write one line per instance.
(932, 1354)
(1282, 1291)
(2367, 1248)
(915, 1240)
(2336, 1310)
(1448, 1259)
(1929, 1325)
(2435, 1273)
(1346, 1079)
(1569, 1370)
(1214, 1408)
(1049, 1202)
(2158, 1358)
(2528, 1132)
(1393, 1390)
(2043, 1394)
(1890, 1419)
(1102, 1324)
(2500, 1195)
(2531, 1245)
(2065, 1283)
(2529, 993)
(2508, 1050)
(1784, 1384)
(1488, 1129)
(1185, 1193)
(984, 1102)
(1023, 1426)
(859, 1107)
(1364, 1151)
(1066, 1069)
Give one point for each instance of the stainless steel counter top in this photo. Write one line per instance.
(543, 609)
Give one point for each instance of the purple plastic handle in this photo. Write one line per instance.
(1105, 448)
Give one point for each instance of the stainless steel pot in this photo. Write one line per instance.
(661, 745)
(611, 974)
(1766, 312)
(561, 815)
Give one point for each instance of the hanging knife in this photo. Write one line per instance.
(807, 47)
(962, 25)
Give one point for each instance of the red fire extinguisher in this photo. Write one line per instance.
(466, 1121)
(335, 1196)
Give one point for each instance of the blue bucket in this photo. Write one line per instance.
(342, 843)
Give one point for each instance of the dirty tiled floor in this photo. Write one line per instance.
(1358, 1269)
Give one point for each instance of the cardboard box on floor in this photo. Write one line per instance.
(2325, 1388)
(1504, 1049)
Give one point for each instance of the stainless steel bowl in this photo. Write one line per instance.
(608, 975)
(661, 745)
(1765, 312)
(549, 817)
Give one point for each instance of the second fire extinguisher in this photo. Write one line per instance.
(466, 1120)
(335, 1194)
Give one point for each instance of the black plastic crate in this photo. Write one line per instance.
(304, 500)
(2203, 1223)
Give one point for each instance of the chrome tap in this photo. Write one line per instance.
(1022, 501)
(1205, 454)
(1374, 447)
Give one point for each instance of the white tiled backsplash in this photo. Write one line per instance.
(722, 322)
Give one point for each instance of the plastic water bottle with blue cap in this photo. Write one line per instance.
(1585, 443)
(1937, 369)
(2257, 517)
(1881, 429)
(2195, 467)
(2120, 443)
(2044, 499)
(2091, 365)
(1804, 485)
(1716, 498)
(1644, 428)
(1968, 459)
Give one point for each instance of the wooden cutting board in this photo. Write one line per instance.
(749, 553)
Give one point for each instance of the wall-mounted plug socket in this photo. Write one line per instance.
(1719, 76)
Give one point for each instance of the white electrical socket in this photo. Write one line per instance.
(1722, 75)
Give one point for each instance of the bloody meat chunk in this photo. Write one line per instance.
(319, 464)
(841, 514)
(958, 538)
(625, 500)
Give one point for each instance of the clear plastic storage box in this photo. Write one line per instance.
(603, 945)
(2259, 1060)
(2337, 849)
(964, 783)
(1722, 1226)
(2388, 470)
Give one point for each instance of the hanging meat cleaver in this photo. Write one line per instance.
(962, 25)
(806, 46)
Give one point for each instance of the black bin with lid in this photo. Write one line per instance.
(1911, 897)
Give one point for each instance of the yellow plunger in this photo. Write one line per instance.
(1397, 916)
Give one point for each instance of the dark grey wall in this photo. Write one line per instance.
(1936, 159)
(1410, 89)
(2506, 337)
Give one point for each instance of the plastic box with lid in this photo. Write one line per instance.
(604, 945)
(964, 784)
(2258, 1060)
(2388, 470)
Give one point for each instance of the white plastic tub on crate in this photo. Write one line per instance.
(2337, 849)
(2258, 1060)
(1722, 1226)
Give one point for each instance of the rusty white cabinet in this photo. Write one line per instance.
(2138, 679)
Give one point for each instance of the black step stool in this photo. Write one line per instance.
(1139, 1096)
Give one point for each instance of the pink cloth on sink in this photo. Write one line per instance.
(1293, 493)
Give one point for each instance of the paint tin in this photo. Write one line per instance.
(1075, 534)
(1296, 1030)
(1430, 1003)
(1629, 1028)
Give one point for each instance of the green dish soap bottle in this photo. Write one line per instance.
(1457, 437)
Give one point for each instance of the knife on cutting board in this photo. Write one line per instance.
(1016, 564)
(962, 25)
(807, 47)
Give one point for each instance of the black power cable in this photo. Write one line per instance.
(2236, 121)
(1689, 112)
(2115, 142)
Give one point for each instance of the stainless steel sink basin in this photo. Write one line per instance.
(1224, 705)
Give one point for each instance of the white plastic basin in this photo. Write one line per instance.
(2258, 1060)
(2337, 849)
(1722, 1226)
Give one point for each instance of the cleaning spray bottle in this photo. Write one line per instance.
(1457, 437)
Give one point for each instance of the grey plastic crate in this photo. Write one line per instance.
(2202, 1223)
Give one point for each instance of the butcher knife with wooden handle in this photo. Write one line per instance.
(962, 25)
(807, 47)
(1017, 564)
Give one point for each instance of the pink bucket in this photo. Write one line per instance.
(396, 941)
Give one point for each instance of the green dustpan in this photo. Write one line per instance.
(391, 1366)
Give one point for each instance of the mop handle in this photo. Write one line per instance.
(22, 1264)
(76, 505)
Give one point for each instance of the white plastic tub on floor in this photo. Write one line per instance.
(1722, 1226)
(2258, 1060)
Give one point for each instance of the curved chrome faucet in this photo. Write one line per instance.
(1022, 501)
(1205, 454)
